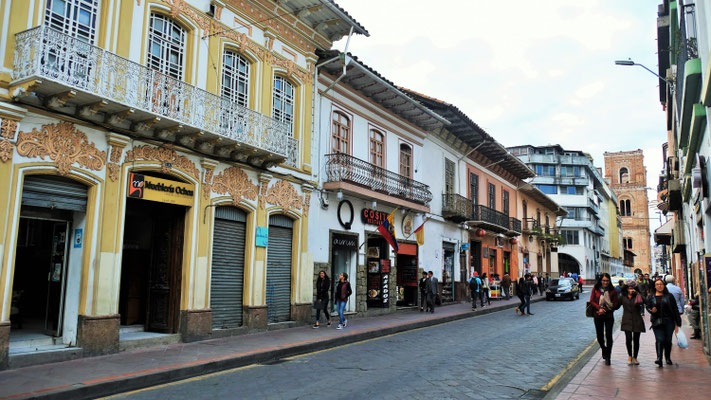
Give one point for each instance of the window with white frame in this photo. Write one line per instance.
(235, 78)
(283, 102)
(166, 46)
(76, 18)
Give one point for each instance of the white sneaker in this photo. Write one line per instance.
(339, 326)
(345, 323)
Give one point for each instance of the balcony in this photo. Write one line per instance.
(530, 226)
(498, 222)
(68, 75)
(344, 168)
(456, 208)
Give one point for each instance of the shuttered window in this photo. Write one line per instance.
(227, 272)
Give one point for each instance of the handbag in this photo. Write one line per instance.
(589, 310)
(319, 304)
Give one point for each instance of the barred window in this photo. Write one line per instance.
(235, 78)
(76, 18)
(283, 102)
(166, 46)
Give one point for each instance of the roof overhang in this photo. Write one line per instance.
(542, 198)
(375, 87)
(466, 130)
(324, 16)
(663, 234)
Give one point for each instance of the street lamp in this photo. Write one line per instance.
(629, 63)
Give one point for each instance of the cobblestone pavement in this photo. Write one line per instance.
(495, 356)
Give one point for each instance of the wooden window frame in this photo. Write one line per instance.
(337, 126)
(408, 166)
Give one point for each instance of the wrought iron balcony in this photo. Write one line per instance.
(493, 220)
(342, 167)
(73, 76)
(455, 207)
(530, 226)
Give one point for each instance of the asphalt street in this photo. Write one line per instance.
(494, 356)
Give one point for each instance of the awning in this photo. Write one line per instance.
(662, 235)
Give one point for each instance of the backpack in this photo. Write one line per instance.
(473, 285)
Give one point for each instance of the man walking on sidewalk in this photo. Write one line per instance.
(432, 291)
(474, 289)
(676, 292)
(506, 285)
(423, 291)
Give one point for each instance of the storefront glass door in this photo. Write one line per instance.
(343, 262)
(56, 278)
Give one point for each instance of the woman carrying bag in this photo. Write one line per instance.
(632, 322)
(665, 320)
(323, 286)
(604, 302)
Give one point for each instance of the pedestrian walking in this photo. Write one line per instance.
(665, 320)
(534, 287)
(474, 289)
(520, 285)
(542, 284)
(527, 293)
(632, 323)
(423, 291)
(580, 283)
(485, 290)
(676, 292)
(506, 285)
(323, 286)
(432, 291)
(343, 292)
(605, 301)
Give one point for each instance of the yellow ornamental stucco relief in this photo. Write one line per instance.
(284, 195)
(307, 203)
(6, 148)
(8, 128)
(236, 183)
(166, 155)
(207, 186)
(62, 143)
(113, 167)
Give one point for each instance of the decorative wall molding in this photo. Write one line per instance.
(8, 128)
(166, 155)
(6, 150)
(284, 195)
(62, 143)
(236, 183)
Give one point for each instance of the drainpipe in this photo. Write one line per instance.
(320, 101)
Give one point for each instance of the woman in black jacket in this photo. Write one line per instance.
(632, 323)
(323, 286)
(665, 320)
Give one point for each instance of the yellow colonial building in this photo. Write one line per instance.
(155, 177)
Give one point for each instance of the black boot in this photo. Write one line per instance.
(697, 334)
(667, 354)
(660, 350)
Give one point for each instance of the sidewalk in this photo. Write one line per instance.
(689, 378)
(130, 370)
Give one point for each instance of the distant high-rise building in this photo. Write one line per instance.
(628, 179)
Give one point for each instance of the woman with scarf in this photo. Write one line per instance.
(323, 286)
(665, 319)
(604, 301)
(632, 322)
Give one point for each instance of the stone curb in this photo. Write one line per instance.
(135, 382)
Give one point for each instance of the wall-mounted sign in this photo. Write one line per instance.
(345, 217)
(344, 241)
(78, 238)
(485, 252)
(162, 190)
(372, 217)
(464, 246)
(407, 222)
(262, 236)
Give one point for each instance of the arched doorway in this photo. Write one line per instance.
(568, 264)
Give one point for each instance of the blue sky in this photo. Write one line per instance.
(529, 72)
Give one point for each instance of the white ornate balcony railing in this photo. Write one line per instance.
(44, 53)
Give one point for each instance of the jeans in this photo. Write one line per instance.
(475, 297)
(482, 296)
(664, 334)
(486, 296)
(341, 306)
(603, 328)
(325, 313)
(632, 343)
(523, 303)
(526, 304)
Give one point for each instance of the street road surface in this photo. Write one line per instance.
(495, 356)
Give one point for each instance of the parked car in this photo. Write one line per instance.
(563, 288)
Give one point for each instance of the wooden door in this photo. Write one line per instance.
(165, 274)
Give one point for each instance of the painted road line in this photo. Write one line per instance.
(570, 365)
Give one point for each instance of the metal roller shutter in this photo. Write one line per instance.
(227, 273)
(279, 269)
(50, 191)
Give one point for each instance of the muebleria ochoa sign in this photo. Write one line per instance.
(162, 190)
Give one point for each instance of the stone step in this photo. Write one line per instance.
(131, 328)
(27, 356)
(137, 340)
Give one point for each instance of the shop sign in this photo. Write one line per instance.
(262, 236)
(464, 247)
(162, 190)
(707, 265)
(372, 217)
(344, 241)
(78, 238)
(347, 221)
